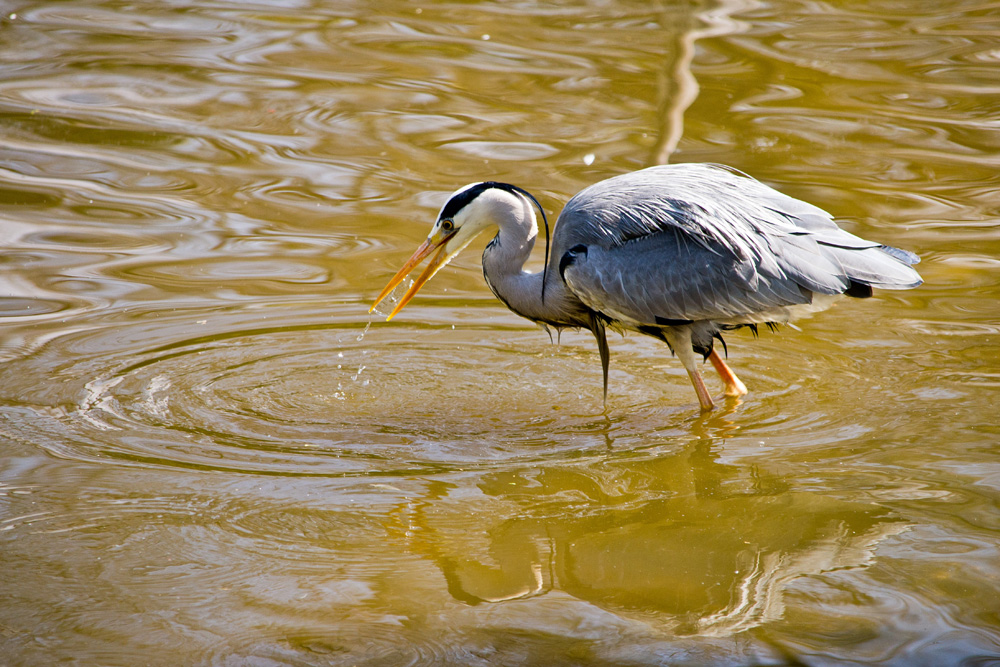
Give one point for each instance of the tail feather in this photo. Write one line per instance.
(900, 254)
(875, 267)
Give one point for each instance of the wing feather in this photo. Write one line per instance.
(699, 242)
(663, 277)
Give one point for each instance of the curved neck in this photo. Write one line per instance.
(521, 291)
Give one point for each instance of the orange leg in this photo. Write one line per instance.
(680, 342)
(704, 398)
(734, 387)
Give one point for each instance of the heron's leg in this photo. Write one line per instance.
(734, 387)
(680, 340)
(704, 399)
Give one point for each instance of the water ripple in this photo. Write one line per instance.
(210, 453)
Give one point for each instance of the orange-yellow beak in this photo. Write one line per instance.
(425, 249)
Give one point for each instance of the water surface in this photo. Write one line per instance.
(210, 454)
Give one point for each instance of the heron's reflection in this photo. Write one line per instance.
(680, 539)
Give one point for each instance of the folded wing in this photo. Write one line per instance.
(694, 242)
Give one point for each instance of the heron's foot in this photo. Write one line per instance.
(734, 387)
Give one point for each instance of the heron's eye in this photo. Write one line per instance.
(447, 225)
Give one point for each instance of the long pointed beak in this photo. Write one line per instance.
(425, 249)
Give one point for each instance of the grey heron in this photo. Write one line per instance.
(679, 252)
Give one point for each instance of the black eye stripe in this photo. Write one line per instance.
(463, 199)
(466, 197)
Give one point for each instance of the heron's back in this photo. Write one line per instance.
(695, 242)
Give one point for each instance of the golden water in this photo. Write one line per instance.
(207, 457)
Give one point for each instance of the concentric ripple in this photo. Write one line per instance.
(316, 396)
(318, 391)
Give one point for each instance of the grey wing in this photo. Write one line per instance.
(688, 242)
(815, 232)
(667, 279)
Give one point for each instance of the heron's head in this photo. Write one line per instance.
(468, 211)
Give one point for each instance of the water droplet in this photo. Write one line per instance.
(367, 327)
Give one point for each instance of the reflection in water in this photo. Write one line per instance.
(680, 541)
(677, 83)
